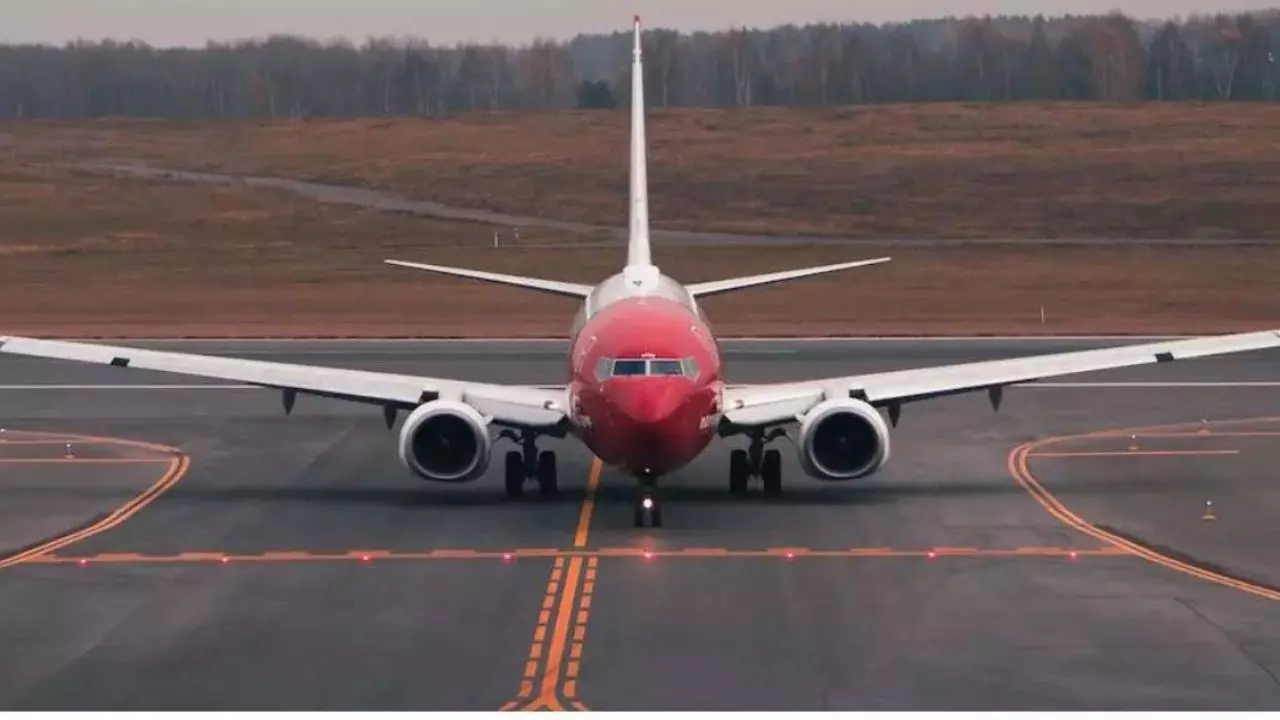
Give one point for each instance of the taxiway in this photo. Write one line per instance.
(998, 562)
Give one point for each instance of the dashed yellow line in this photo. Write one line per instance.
(579, 631)
(558, 603)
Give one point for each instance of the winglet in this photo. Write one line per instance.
(638, 253)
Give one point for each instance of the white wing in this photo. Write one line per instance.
(517, 405)
(771, 404)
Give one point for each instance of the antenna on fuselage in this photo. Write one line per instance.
(638, 238)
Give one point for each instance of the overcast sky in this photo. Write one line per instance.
(191, 22)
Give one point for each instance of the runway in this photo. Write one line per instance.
(1000, 561)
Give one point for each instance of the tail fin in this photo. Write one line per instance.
(718, 286)
(638, 239)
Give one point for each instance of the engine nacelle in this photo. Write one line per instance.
(842, 440)
(445, 441)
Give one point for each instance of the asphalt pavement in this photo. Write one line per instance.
(242, 559)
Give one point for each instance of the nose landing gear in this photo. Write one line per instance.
(648, 509)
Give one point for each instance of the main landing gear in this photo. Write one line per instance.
(648, 511)
(528, 463)
(755, 461)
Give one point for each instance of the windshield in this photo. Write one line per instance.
(646, 367)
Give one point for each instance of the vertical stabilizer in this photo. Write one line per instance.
(638, 238)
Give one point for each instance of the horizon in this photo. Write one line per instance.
(448, 22)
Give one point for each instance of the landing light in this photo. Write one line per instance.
(647, 503)
(932, 554)
(506, 557)
(648, 555)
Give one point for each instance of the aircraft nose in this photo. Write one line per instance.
(651, 402)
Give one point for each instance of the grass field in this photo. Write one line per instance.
(84, 254)
(1033, 170)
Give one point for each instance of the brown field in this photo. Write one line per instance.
(91, 256)
(84, 254)
(954, 171)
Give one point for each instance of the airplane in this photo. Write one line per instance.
(645, 393)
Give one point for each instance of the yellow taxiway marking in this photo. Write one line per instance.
(1123, 453)
(178, 464)
(1018, 467)
(560, 678)
(562, 557)
(1210, 433)
(84, 461)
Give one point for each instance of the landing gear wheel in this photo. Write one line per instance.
(515, 474)
(647, 505)
(739, 472)
(547, 482)
(652, 513)
(771, 472)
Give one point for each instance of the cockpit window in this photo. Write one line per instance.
(647, 367)
(628, 367)
(666, 367)
(690, 367)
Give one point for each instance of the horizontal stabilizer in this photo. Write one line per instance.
(719, 286)
(554, 287)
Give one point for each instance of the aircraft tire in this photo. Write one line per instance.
(771, 472)
(515, 474)
(738, 472)
(548, 483)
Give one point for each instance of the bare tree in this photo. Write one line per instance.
(1112, 57)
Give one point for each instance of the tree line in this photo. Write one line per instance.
(1007, 58)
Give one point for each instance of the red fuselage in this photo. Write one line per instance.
(645, 385)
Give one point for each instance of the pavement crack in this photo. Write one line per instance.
(1230, 638)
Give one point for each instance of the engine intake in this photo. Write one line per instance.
(842, 440)
(445, 441)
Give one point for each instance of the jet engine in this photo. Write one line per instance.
(843, 439)
(445, 441)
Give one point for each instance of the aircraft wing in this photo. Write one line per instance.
(755, 405)
(515, 405)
